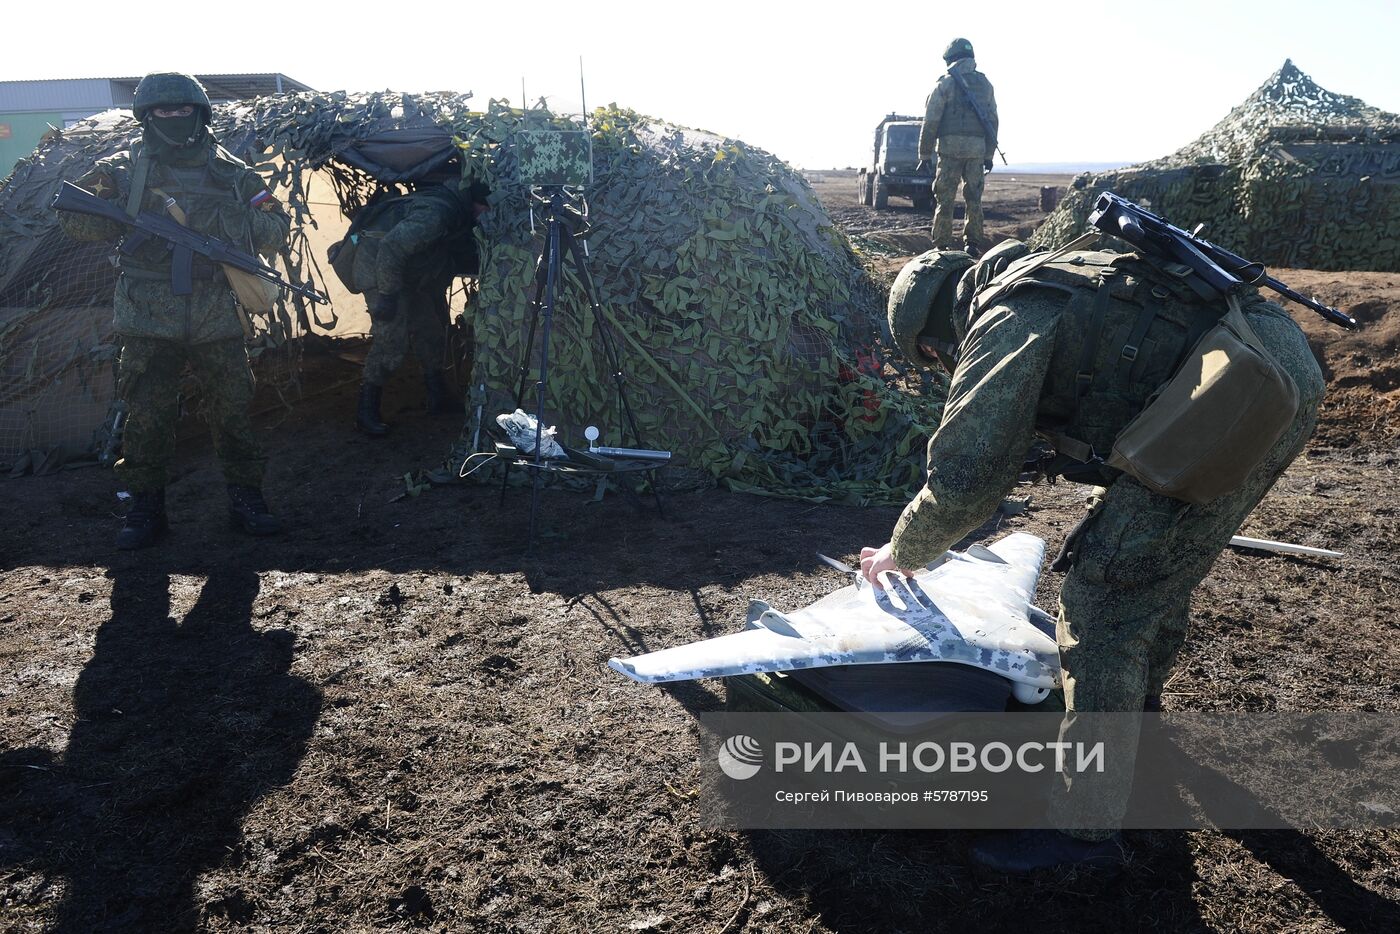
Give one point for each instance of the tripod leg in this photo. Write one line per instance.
(546, 315)
(541, 280)
(614, 361)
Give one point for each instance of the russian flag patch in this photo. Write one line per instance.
(260, 198)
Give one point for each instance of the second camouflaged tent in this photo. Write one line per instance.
(1294, 176)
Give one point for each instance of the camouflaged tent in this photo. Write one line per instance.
(1294, 176)
(748, 327)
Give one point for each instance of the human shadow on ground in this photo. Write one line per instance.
(181, 727)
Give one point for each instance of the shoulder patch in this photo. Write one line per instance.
(100, 182)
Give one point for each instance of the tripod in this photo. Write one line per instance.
(565, 227)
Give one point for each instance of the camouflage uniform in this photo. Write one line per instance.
(963, 145)
(1124, 604)
(417, 258)
(162, 333)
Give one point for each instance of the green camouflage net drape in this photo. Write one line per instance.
(1294, 176)
(748, 327)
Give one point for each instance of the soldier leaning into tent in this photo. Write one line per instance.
(177, 166)
(960, 120)
(406, 252)
(1071, 347)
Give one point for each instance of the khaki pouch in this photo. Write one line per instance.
(257, 295)
(1213, 422)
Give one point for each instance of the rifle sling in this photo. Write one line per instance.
(1085, 375)
(1133, 348)
(139, 174)
(1065, 445)
(972, 102)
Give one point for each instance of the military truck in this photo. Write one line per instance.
(895, 170)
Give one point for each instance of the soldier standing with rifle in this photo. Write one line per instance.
(177, 168)
(960, 121)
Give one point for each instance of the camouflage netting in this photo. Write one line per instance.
(747, 325)
(1294, 176)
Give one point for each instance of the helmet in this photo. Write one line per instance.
(992, 264)
(169, 89)
(921, 305)
(958, 48)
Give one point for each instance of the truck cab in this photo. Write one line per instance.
(894, 170)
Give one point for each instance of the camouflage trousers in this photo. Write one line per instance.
(421, 324)
(1125, 603)
(950, 172)
(150, 373)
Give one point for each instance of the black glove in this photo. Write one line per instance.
(922, 166)
(385, 306)
(987, 164)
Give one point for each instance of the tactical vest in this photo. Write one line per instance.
(1127, 325)
(200, 190)
(959, 119)
(355, 256)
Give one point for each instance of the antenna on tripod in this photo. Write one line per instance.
(523, 99)
(583, 102)
(582, 97)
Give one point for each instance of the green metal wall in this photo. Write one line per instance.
(25, 129)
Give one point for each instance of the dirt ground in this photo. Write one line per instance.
(390, 719)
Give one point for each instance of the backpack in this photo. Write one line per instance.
(1191, 419)
(353, 256)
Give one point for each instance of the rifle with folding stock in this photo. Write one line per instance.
(1217, 269)
(184, 242)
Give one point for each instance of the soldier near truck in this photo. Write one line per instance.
(960, 124)
(176, 167)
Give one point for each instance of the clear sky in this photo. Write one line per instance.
(1090, 81)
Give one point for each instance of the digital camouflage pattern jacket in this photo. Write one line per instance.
(221, 197)
(423, 245)
(1017, 378)
(950, 124)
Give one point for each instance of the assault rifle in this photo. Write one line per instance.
(183, 242)
(1217, 269)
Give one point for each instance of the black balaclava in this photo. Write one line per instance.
(177, 140)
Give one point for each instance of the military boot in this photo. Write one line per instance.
(972, 248)
(442, 399)
(367, 411)
(1022, 852)
(248, 511)
(145, 521)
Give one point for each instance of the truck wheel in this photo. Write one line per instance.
(882, 194)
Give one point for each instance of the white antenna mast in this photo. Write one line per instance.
(582, 97)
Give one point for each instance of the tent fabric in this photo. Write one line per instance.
(749, 328)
